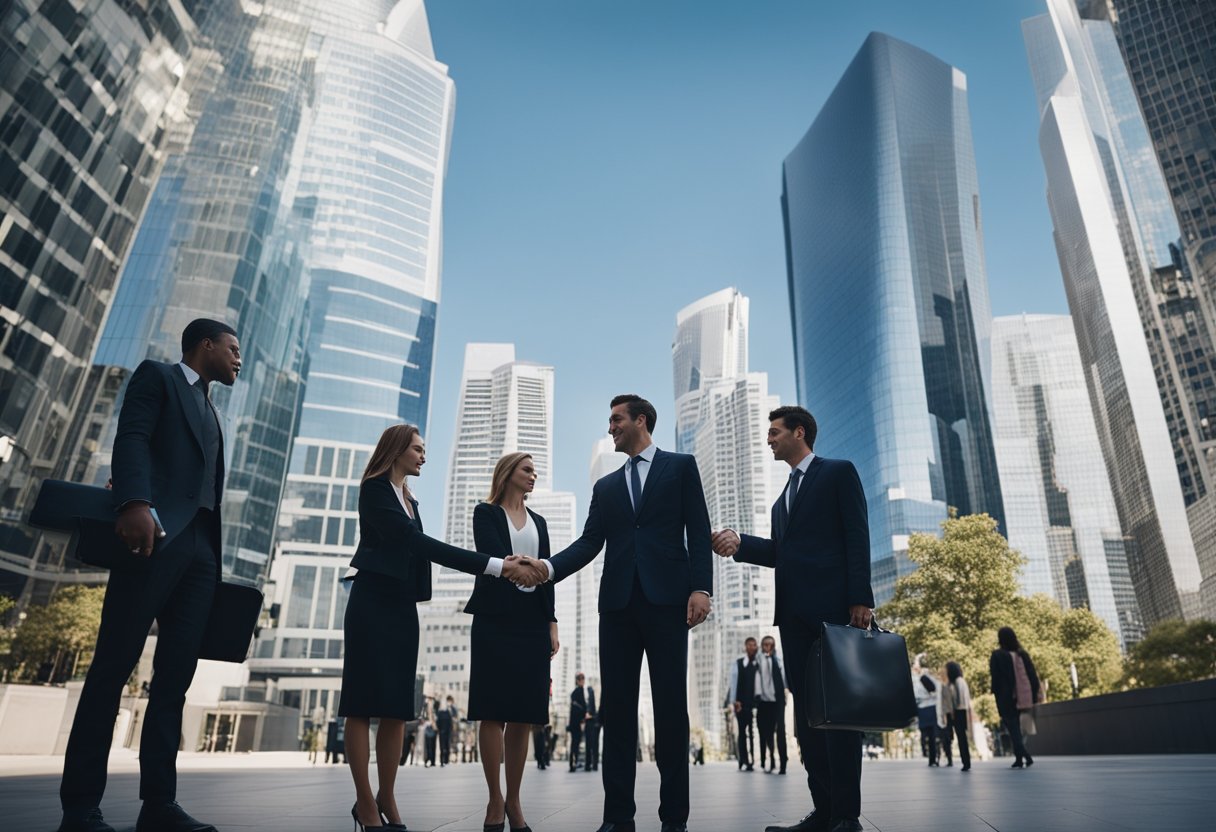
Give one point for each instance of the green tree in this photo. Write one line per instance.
(6, 634)
(55, 642)
(965, 588)
(1173, 651)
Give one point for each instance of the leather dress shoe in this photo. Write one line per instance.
(617, 827)
(84, 820)
(845, 825)
(168, 817)
(814, 822)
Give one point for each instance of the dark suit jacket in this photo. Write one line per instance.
(778, 677)
(158, 450)
(823, 558)
(650, 544)
(591, 711)
(578, 708)
(391, 543)
(1005, 682)
(495, 596)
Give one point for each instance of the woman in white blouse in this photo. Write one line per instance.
(514, 637)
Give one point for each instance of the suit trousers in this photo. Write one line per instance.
(747, 737)
(770, 719)
(576, 741)
(661, 634)
(832, 758)
(592, 755)
(175, 592)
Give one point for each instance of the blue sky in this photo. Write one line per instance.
(614, 161)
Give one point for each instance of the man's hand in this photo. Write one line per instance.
(860, 616)
(524, 571)
(738, 706)
(554, 644)
(136, 528)
(725, 543)
(699, 605)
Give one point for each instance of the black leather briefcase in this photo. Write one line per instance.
(859, 680)
(86, 512)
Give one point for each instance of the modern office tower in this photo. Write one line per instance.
(1168, 49)
(1114, 230)
(889, 296)
(505, 406)
(1059, 508)
(221, 239)
(722, 419)
(370, 185)
(89, 94)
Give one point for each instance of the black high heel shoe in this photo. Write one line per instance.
(386, 823)
(354, 813)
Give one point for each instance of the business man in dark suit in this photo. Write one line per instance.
(770, 704)
(741, 699)
(652, 591)
(820, 550)
(168, 471)
(591, 733)
(578, 719)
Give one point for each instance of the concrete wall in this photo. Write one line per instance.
(1174, 719)
(30, 717)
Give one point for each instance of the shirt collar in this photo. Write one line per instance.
(648, 453)
(805, 464)
(191, 376)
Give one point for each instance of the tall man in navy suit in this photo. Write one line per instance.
(820, 549)
(653, 590)
(168, 474)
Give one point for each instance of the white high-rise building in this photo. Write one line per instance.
(505, 406)
(722, 419)
(1059, 508)
(1114, 225)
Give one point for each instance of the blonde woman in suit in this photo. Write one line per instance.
(394, 573)
(514, 637)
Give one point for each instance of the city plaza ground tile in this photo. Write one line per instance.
(282, 791)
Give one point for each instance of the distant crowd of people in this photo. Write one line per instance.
(756, 697)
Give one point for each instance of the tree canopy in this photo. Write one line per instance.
(965, 588)
(1173, 651)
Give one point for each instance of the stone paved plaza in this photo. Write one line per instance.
(281, 792)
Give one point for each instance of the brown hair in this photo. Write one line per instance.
(637, 406)
(502, 474)
(794, 417)
(395, 441)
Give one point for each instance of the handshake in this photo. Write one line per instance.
(725, 542)
(524, 571)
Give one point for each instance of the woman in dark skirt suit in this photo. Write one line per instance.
(514, 637)
(394, 573)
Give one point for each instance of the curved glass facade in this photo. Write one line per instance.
(370, 183)
(888, 294)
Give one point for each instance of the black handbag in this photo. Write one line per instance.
(858, 680)
(86, 512)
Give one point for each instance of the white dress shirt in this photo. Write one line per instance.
(525, 541)
(766, 690)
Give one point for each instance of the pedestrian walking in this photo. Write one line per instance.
(1015, 684)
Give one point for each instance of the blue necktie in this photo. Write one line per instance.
(635, 482)
(792, 491)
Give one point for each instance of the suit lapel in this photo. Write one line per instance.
(185, 395)
(504, 528)
(656, 468)
(621, 487)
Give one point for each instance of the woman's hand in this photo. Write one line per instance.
(554, 644)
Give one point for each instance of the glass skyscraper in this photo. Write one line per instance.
(722, 419)
(1144, 340)
(1168, 49)
(1059, 508)
(370, 166)
(90, 92)
(222, 239)
(889, 297)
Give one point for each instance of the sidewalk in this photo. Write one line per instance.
(284, 792)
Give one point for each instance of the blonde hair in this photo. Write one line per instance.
(502, 475)
(395, 441)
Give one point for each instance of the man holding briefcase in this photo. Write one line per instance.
(168, 476)
(820, 549)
